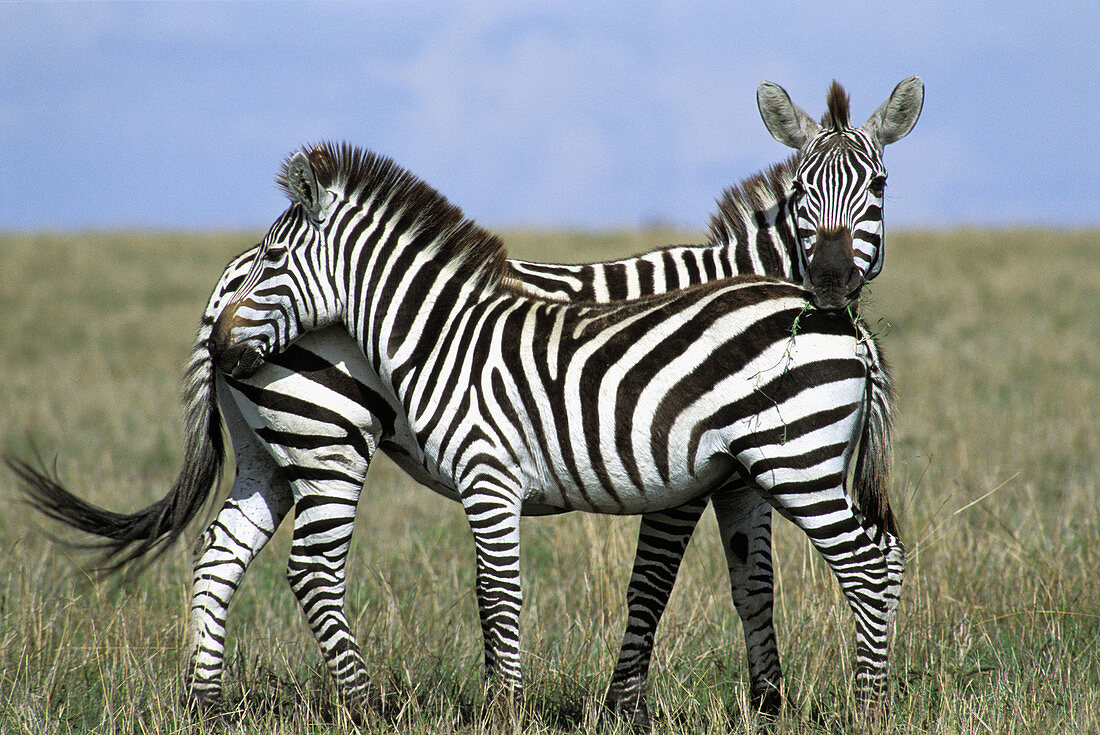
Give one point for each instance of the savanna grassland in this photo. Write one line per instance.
(995, 341)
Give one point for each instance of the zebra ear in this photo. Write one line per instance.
(787, 122)
(895, 117)
(302, 183)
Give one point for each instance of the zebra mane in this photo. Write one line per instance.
(837, 112)
(764, 191)
(363, 176)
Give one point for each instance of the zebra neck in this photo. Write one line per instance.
(402, 294)
(755, 224)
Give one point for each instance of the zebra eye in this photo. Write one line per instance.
(877, 186)
(274, 253)
(797, 189)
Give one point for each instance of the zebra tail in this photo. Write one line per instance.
(875, 456)
(149, 532)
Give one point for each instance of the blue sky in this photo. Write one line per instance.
(177, 115)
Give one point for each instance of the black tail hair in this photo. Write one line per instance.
(874, 460)
(149, 532)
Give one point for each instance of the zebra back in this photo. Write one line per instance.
(752, 232)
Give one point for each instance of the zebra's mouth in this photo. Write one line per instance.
(835, 299)
(832, 277)
(239, 361)
(238, 358)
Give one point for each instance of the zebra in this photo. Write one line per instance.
(526, 462)
(514, 403)
(653, 571)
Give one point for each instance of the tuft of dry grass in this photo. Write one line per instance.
(995, 345)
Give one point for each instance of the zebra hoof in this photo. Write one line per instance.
(205, 707)
(767, 701)
(364, 706)
(630, 708)
(502, 710)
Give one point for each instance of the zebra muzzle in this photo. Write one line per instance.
(832, 278)
(239, 361)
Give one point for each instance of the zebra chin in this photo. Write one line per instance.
(239, 360)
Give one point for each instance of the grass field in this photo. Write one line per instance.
(995, 342)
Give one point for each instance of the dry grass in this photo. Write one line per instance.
(996, 346)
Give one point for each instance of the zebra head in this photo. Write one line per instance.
(838, 184)
(278, 300)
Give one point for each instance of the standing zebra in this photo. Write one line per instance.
(752, 230)
(514, 403)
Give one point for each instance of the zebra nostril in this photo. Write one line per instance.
(855, 282)
(249, 363)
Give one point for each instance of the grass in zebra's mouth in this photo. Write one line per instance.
(995, 346)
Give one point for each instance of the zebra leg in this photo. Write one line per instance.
(494, 519)
(869, 571)
(324, 517)
(662, 539)
(745, 525)
(874, 688)
(258, 502)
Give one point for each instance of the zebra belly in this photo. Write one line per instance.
(619, 495)
(417, 471)
(293, 415)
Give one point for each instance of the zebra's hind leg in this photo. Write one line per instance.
(662, 539)
(869, 573)
(744, 521)
(872, 690)
(258, 502)
(324, 517)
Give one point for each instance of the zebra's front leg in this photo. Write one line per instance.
(257, 504)
(494, 517)
(662, 540)
(744, 522)
(323, 523)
